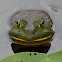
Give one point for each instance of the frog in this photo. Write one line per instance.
(39, 34)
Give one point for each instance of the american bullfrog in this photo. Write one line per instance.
(40, 33)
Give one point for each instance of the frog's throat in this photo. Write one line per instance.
(41, 39)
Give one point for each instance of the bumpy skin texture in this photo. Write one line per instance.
(40, 31)
(34, 57)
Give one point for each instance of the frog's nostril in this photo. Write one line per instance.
(34, 53)
(42, 23)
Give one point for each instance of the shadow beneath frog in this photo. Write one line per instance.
(42, 48)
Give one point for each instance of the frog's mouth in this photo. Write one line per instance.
(42, 37)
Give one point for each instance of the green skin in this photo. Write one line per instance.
(40, 31)
(34, 57)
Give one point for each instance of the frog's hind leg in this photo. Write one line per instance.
(43, 48)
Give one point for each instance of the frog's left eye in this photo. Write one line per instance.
(19, 26)
(41, 24)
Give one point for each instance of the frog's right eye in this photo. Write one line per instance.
(19, 25)
(40, 25)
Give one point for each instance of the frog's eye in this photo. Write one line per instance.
(21, 23)
(40, 25)
(19, 26)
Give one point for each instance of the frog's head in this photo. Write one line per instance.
(40, 33)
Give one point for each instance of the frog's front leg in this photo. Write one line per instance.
(43, 48)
